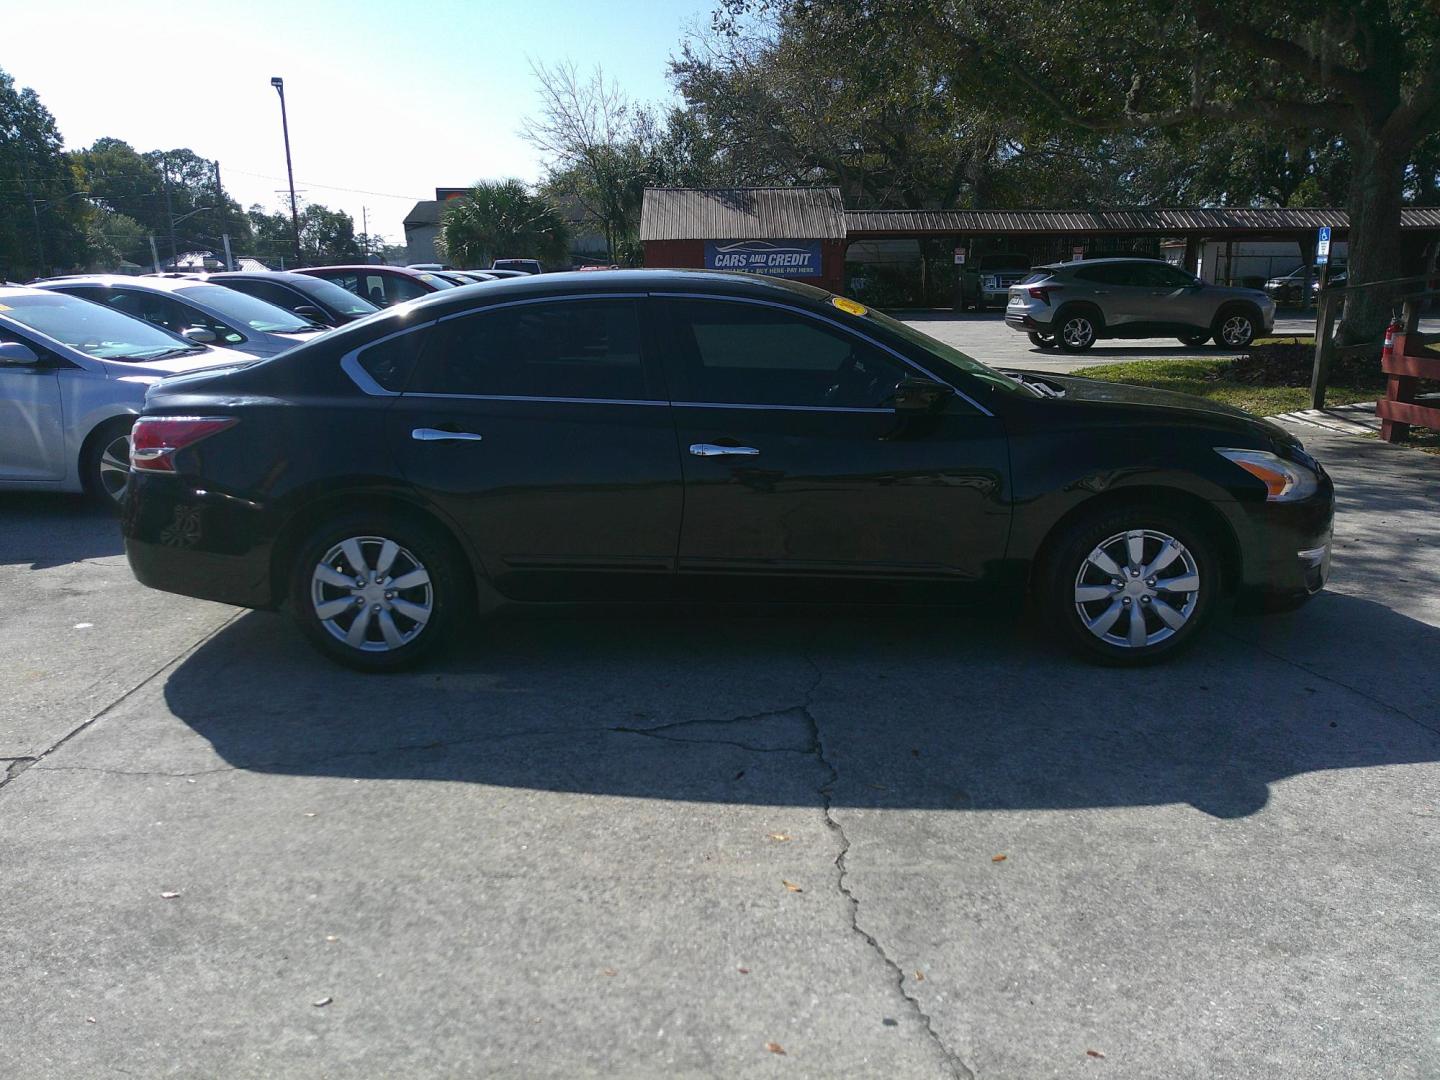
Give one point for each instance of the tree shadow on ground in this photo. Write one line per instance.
(906, 711)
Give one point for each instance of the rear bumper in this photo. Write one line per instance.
(197, 543)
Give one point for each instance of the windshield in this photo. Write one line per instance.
(336, 298)
(949, 357)
(249, 311)
(94, 329)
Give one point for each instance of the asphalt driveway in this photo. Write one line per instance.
(714, 843)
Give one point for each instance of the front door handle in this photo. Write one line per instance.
(430, 434)
(705, 449)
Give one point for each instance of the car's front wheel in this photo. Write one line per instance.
(1129, 586)
(1042, 341)
(105, 462)
(377, 592)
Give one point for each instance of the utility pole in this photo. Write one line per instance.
(279, 85)
(35, 216)
(220, 206)
(154, 255)
(365, 230)
(169, 213)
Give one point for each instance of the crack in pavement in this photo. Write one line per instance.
(20, 765)
(815, 745)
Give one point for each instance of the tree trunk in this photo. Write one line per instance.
(1374, 238)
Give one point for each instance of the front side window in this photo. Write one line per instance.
(390, 288)
(563, 349)
(750, 354)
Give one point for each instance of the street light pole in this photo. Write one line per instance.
(279, 85)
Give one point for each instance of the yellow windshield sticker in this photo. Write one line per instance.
(4, 307)
(854, 307)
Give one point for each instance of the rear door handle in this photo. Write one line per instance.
(705, 449)
(430, 434)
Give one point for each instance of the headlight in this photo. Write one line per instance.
(1285, 481)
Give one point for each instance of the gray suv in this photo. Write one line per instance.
(1071, 305)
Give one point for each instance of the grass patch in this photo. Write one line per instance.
(1210, 379)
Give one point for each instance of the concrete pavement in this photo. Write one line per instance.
(678, 844)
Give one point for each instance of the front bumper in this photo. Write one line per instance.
(1286, 549)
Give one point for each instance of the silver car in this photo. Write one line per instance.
(1072, 305)
(73, 377)
(203, 313)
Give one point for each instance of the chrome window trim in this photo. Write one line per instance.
(350, 362)
(905, 360)
(538, 399)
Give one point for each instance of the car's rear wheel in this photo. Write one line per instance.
(1042, 341)
(1235, 328)
(1194, 340)
(1075, 331)
(105, 462)
(377, 592)
(1130, 586)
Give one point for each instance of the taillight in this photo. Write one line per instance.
(155, 439)
(1042, 292)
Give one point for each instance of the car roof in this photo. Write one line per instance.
(259, 275)
(373, 268)
(535, 286)
(154, 284)
(21, 290)
(1109, 261)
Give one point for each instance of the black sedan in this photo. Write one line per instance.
(651, 434)
(311, 298)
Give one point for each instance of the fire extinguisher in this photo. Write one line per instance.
(1391, 332)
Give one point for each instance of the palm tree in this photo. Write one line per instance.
(503, 219)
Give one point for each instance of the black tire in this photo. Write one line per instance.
(1193, 340)
(445, 595)
(1068, 568)
(1076, 329)
(105, 462)
(1042, 341)
(1228, 331)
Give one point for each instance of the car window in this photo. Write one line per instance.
(392, 361)
(1159, 276)
(565, 349)
(268, 291)
(749, 354)
(247, 312)
(391, 288)
(95, 329)
(167, 312)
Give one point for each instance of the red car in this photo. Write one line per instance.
(381, 285)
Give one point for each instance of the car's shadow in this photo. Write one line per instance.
(923, 711)
(43, 529)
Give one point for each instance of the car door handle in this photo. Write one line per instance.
(430, 434)
(705, 449)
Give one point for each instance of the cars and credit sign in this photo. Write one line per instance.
(780, 258)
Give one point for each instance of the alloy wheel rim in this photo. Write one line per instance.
(372, 594)
(115, 467)
(1237, 330)
(1137, 588)
(1078, 332)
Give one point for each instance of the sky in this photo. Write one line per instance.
(387, 100)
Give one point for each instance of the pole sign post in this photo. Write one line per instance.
(780, 258)
(1322, 246)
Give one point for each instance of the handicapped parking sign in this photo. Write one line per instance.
(1322, 246)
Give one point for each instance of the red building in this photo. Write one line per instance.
(795, 233)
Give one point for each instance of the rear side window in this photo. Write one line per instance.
(1034, 276)
(268, 291)
(392, 361)
(390, 289)
(564, 349)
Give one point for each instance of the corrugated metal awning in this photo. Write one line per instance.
(742, 214)
(1163, 221)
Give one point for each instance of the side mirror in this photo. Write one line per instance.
(17, 354)
(198, 334)
(311, 312)
(917, 395)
